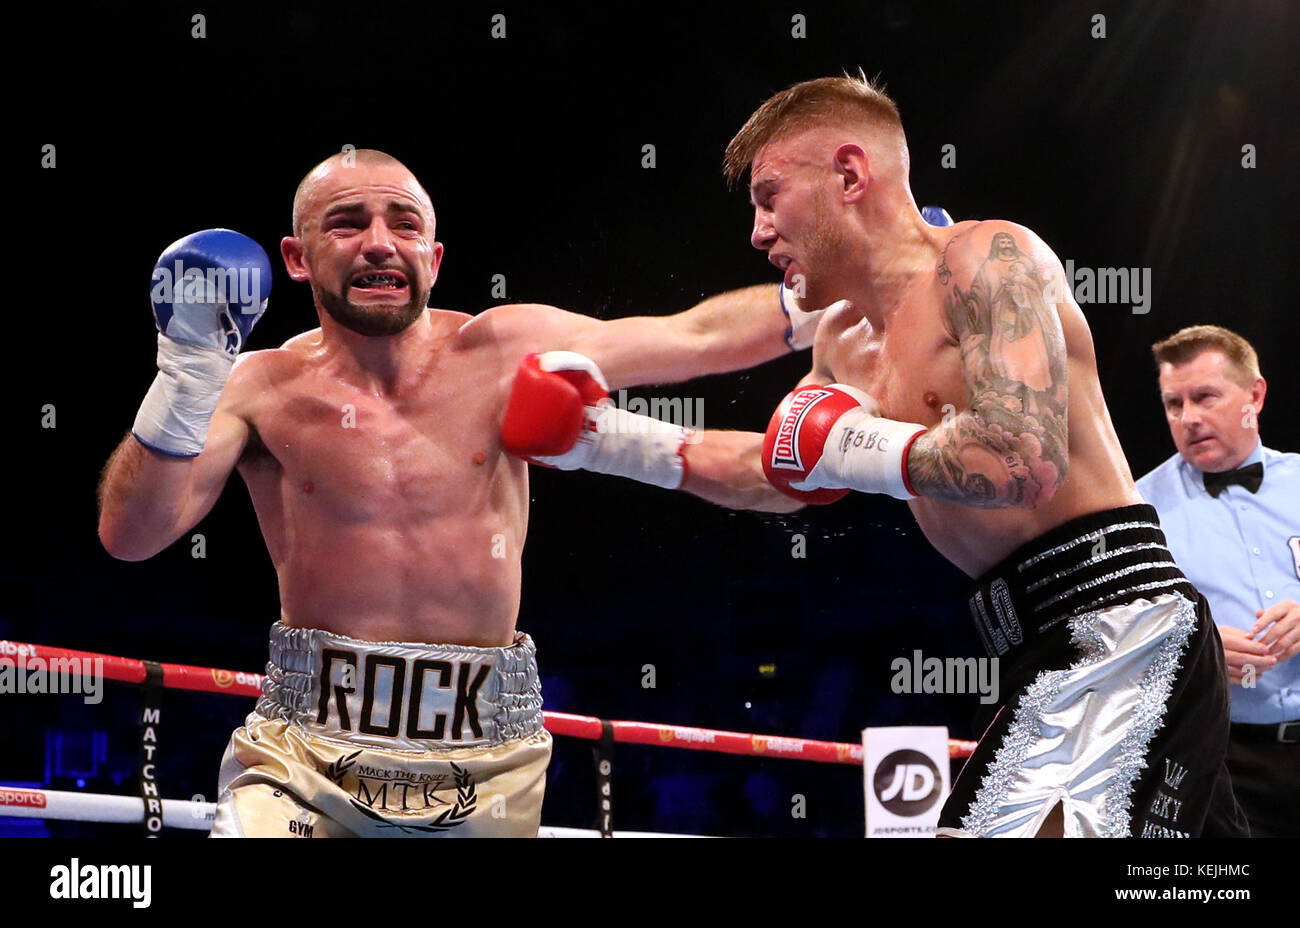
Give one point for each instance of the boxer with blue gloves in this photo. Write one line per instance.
(401, 699)
(208, 291)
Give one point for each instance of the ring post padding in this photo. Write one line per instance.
(603, 752)
(150, 722)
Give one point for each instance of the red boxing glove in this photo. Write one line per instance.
(796, 436)
(560, 415)
(545, 414)
(826, 440)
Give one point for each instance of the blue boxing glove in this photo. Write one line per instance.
(936, 215)
(801, 326)
(208, 291)
(210, 288)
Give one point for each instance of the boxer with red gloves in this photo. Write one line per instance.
(958, 373)
(981, 405)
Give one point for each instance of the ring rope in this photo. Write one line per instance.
(216, 680)
(22, 802)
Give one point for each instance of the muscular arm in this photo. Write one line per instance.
(148, 500)
(1010, 448)
(727, 332)
(724, 468)
(733, 330)
(730, 331)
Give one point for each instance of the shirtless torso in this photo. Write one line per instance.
(389, 513)
(915, 370)
(388, 506)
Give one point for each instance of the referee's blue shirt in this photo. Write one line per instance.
(1242, 551)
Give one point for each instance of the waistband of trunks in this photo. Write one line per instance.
(1104, 559)
(401, 696)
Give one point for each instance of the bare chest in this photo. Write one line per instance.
(355, 454)
(913, 369)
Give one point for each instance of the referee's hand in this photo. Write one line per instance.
(1282, 621)
(1242, 651)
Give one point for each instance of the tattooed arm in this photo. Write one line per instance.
(1010, 448)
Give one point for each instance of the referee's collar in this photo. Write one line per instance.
(1194, 476)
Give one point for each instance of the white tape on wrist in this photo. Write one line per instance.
(865, 452)
(803, 325)
(625, 444)
(177, 410)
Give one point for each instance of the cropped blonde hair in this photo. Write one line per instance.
(826, 100)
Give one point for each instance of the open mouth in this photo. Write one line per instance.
(379, 281)
(785, 264)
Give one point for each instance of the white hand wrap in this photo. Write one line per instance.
(625, 444)
(803, 325)
(177, 410)
(864, 452)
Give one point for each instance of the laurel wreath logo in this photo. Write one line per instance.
(466, 800)
(337, 769)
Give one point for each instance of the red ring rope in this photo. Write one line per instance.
(215, 680)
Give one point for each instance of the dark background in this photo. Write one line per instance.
(1120, 152)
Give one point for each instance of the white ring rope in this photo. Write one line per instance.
(24, 802)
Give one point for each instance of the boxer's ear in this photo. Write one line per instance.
(292, 251)
(435, 262)
(850, 162)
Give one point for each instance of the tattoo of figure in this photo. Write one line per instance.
(1011, 447)
(945, 275)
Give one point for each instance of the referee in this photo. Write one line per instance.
(1230, 509)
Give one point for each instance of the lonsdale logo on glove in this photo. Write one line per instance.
(785, 451)
(823, 442)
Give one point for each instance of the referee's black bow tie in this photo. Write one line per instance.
(1250, 477)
